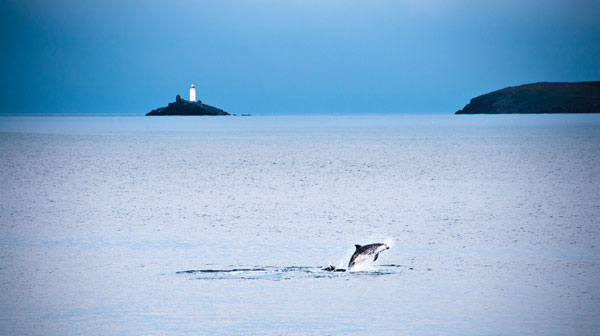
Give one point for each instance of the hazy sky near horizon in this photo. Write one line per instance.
(273, 56)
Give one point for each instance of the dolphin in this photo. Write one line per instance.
(363, 252)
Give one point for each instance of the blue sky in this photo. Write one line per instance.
(269, 57)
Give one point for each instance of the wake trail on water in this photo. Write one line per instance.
(339, 269)
(276, 273)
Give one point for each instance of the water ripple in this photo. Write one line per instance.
(276, 273)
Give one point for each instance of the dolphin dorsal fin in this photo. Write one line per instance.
(357, 246)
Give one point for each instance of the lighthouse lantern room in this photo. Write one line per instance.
(192, 93)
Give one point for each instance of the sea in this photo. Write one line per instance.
(133, 225)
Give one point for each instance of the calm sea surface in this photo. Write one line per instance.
(223, 225)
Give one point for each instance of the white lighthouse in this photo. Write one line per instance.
(192, 93)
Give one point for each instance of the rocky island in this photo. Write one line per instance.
(543, 97)
(182, 107)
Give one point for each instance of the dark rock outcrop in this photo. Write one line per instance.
(544, 97)
(182, 107)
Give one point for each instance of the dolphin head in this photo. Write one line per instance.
(382, 248)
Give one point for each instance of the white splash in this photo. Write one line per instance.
(389, 242)
(343, 261)
(365, 266)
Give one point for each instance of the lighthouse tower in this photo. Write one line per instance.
(192, 93)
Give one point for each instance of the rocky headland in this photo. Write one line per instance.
(182, 107)
(543, 97)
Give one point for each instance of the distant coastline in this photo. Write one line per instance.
(538, 98)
